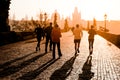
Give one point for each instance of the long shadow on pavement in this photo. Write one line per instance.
(6, 64)
(15, 68)
(86, 74)
(33, 74)
(64, 71)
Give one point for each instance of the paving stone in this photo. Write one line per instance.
(19, 61)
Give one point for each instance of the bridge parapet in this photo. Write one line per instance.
(113, 38)
(11, 37)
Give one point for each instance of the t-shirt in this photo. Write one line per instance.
(77, 32)
(91, 33)
(39, 31)
(56, 34)
(48, 31)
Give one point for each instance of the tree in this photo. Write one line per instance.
(41, 18)
(55, 19)
(45, 18)
(94, 23)
(4, 8)
(88, 25)
(66, 27)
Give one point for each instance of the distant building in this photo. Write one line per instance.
(76, 17)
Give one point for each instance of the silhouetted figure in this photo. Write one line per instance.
(43, 34)
(77, 32)
(56, 34)
(48, 31)
(91, 33)
(39, 32)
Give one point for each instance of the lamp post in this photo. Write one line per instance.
(45, 18)
(105, 17)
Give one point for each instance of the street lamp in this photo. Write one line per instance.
(105, 17)
(45, 15)
(45, 18)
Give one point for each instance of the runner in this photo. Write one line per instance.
(77, 32)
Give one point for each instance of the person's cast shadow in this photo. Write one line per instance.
(64, 71)
(33, 74)
(9, 69)
(86, 70)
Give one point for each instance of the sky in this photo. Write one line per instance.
(89, 9)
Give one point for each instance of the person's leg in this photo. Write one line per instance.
(75, 48)
(38, 44)
(75, 42)
(50, 44)
(92, 42)
(54, 44)
(91, 46)
(59, 50)
(46, 44)
(89, 43)
(78, 45)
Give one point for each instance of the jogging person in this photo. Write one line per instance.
(77, 32)
(91, 33)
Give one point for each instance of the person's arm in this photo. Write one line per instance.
(60, 35)
(74, 32)
(81, 33)
(52, 33)
(95, 32)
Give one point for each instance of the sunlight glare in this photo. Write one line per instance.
(89, 9)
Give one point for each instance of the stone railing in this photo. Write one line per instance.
(11, 37)
(115, 39)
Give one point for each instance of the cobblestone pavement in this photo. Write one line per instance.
(19, 61)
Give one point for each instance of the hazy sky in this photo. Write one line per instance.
(89, 8)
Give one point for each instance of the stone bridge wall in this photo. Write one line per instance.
(11, 37)
(115, 39)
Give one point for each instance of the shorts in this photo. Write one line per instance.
(77, 40)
